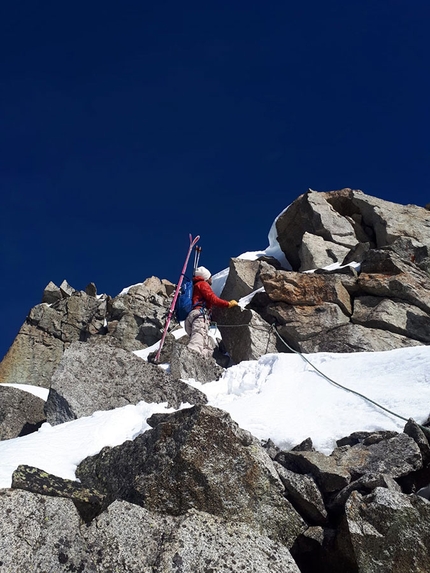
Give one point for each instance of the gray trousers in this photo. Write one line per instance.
(197, 326)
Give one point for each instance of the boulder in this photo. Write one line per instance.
(305, 446)
(51, 293)
(304, 495)
(20, 412)
(43, 533)
(245, 334)
(328, 474)
(397, 286)
(243, 278)
(130, 538)
(199, 459)
(40, 533)
(366, 438)
(89, 503)
(316, 253)
(96, 375)
(397, 457)
(91, 289)
(364, 484)
(416, 432)
(66, 290)
(385, 532)
(270, 448)
(387, 261)
(186, 364)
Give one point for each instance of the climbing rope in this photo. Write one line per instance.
(423, 428)
(333, 381)
(273, 327)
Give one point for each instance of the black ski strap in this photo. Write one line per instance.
(197, 253)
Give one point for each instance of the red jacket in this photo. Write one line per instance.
(203, 295)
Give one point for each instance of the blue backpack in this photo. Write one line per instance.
(184, 303)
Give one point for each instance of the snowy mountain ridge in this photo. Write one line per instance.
(252, 460)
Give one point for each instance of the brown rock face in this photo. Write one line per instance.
(306, 289)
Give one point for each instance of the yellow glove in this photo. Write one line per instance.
(232, 303)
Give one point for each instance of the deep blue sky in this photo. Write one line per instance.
(125, 126)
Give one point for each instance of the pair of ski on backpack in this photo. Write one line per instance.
(182, 302)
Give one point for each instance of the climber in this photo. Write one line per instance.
(198, 321)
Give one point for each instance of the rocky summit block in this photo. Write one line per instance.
(318, 227)
(199, 459)
(97, 375)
